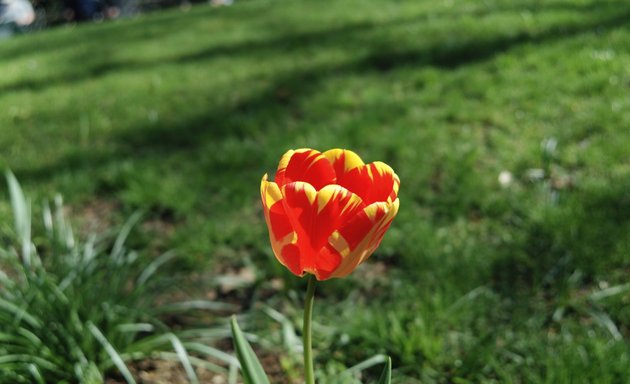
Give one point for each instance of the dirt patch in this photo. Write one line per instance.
(154, 371)
(96, 216)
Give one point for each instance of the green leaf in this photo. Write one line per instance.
(91, 375)
(183, 358)
(253, 372)
(386, 376)
(113, 354)
(32, 368)
(22, 217)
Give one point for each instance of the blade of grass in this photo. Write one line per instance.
(19, 313)
(368, 363)
(606, 322)
(154, 266)
(32, 368)
(253, 372)
(123, 234)
(610, 291)
(291, 340)
(111, 351)
(386, 375)
(136, 327)
(15, 358)
(198, 304)
(183, 358)
(212, 352)
(22, 215)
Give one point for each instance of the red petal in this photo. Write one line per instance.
(306, 165)
(278, 222)
(281, 233)
(327, 263)
(361, 235)
(291, 259)
(372, 182)
(315, 215)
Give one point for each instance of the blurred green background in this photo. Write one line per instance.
(507, 122)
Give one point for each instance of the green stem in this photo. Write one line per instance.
(309, 373)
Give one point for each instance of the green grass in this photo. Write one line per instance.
(179, 114)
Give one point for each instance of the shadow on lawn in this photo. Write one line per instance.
(96, 63)
(270, 106)
(384, 55)
(160, 26)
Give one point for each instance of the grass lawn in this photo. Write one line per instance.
(179, 114)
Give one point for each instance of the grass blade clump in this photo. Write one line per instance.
(73, 311)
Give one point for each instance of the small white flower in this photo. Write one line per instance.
(505, 178)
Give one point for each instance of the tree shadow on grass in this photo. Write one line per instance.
(95, 63)
(385, 54)
(268, 106)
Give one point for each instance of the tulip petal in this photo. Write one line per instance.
(290, 258)
(360, 236)
(315, 215)
(372, 182)
(343, 160)
(306, 165)
(281, 233)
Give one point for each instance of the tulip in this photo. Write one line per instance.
(328, 212)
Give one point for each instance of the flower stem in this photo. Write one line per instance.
(309, 373)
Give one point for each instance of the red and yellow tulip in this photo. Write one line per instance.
(328, 212)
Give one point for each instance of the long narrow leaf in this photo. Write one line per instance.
(611, 291)
(32, 368)
(19, 313)
(233, 375)
(291, 341)
(123, 234)
(208, 305)
(89, 374)
(18, 202)
(135, 327)
(64, 229)
(154, 266)
(111, 351)
(605, 321)
(212, 352)
(253, 372)
(22, 217)
(386, 376)
(365, 364)
(150, 343)
(183, 358)
(28, 358)
(48, 218)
